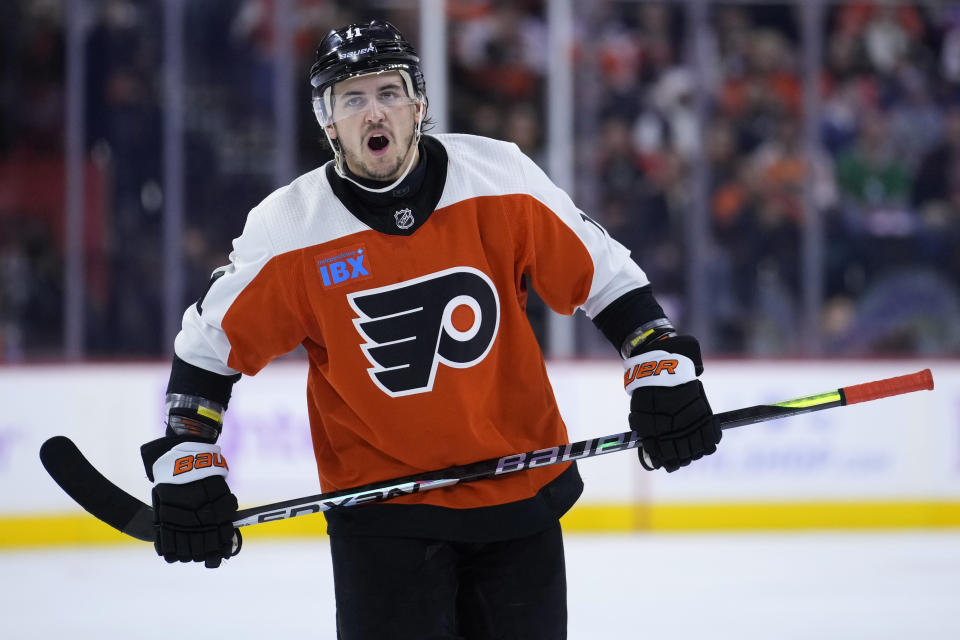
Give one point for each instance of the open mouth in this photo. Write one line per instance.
(377, 143)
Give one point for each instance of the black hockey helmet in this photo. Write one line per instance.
(358, 49)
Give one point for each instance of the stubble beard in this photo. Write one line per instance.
(366, 171)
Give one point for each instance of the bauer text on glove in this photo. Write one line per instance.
(668, 406)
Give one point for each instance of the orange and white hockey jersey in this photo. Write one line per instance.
(420, 352)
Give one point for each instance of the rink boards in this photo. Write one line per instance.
(889, 463)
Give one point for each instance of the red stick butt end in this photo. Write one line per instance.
(919, 381)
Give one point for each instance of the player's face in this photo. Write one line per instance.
(374, 121)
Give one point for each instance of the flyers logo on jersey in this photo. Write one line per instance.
(409, 328)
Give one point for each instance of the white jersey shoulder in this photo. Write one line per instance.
(479, 166)
(304, 213)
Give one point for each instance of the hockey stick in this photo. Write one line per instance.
(111, 504)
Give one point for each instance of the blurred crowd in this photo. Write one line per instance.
(884, 179)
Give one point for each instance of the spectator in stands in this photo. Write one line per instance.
(936, 197)
(872, 175)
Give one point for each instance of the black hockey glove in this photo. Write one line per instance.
(668, 406)
(193, 507)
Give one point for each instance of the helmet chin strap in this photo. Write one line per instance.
(339, 161)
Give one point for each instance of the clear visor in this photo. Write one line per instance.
(335, 106)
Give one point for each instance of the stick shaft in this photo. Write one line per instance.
(67, 465)
(389, 489)
(418, 483)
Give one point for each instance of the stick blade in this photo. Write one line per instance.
(102, 499)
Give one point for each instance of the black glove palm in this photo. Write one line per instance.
(675, 423)
(194, 521)
(193, 508)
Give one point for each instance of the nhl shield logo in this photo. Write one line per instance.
(403, 218)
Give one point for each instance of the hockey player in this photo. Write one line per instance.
(402, 267)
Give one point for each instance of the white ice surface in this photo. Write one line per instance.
(662, 587)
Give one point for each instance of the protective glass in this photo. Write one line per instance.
(336, 107)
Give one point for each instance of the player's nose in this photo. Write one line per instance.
(374, 112)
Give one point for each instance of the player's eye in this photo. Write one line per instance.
(355, 102)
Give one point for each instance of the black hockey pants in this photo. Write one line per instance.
(416, 589)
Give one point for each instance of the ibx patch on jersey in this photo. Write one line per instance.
(343, 265)
(410, 327)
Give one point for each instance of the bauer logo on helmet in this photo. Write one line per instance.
(356, 54)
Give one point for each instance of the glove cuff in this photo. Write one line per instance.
(657, 368)
(173, 461)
